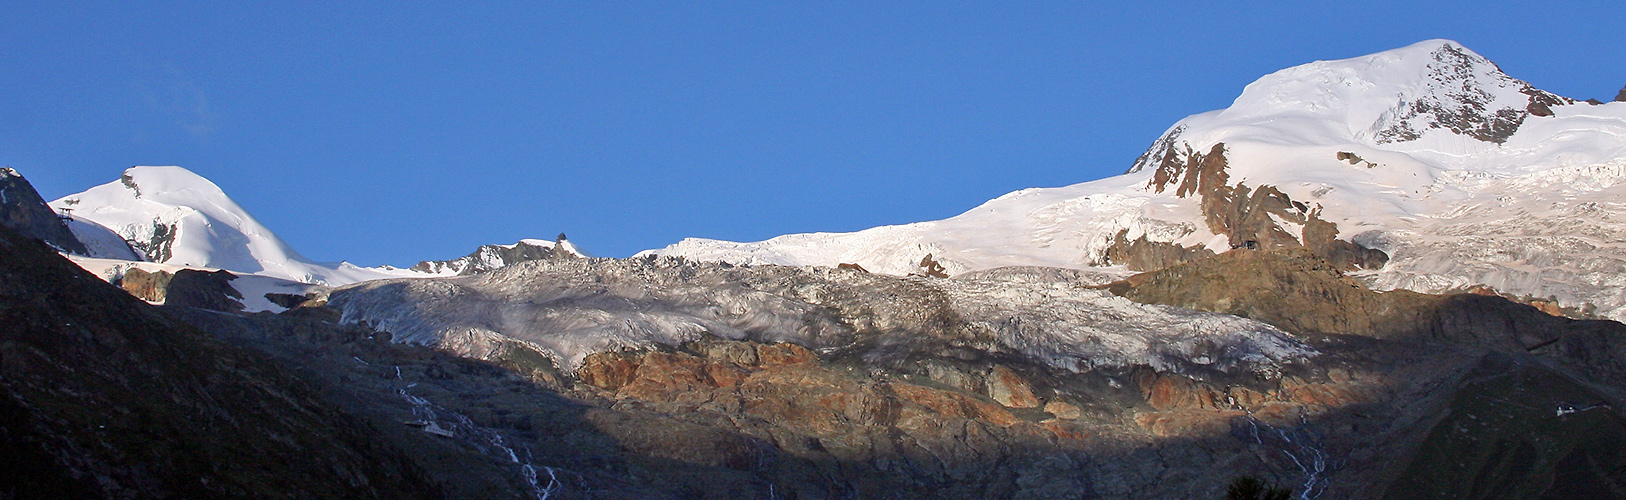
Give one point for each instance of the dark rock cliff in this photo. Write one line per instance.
(22, 210)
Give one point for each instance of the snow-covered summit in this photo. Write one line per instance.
(173, 216)
(1431, 94)
(1460, 173)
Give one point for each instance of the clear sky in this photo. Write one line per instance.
(387, 133)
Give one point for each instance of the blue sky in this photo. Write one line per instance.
(383, 133)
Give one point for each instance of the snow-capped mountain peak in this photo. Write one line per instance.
(1424, 167)
(174, 216)
(1399, 95)
(171, 215)
(1435, 96)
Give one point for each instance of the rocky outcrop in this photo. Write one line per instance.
(1355, 159)
(1250, 218)
(1547, 305)
(158, 245)
(929, 268)
(1010, 389)
(1456, 101)
(1141, 254)
(148, 286)
(22, 210)
(1190, 172)
(204, 290)
(1299, 292)
(1621, 97)
(185, 288)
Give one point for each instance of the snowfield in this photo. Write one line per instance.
(1461, 173)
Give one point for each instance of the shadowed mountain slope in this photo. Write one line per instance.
(103, 397)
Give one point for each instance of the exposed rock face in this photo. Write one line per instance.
(22, 210)
(1142, 254)
(1548, 306)
(288, 300)
(894, 436)
(204, 290)
(1156, 155)
(1063, 410)
(1010, 389)
(1251, 218)
(930, 268)
(148, 286)
(1304, 294)
(100, 397)
(185, 288)
(1455, 100)
(1355, 159)
(1621, 97)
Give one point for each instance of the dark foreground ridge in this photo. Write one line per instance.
(101, 396)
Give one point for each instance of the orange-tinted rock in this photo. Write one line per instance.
(1170, 391)
(1551, 308)
(1245, 397)
(144, 285)
(1062, 410)
(607, 370)
(723, 375)
(784, 354)
(1187, 422)
(666, 372)
(954, 404)
(1010, 389)
(1067, 433)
